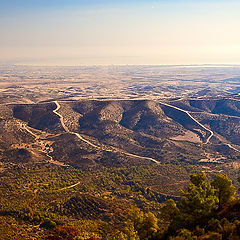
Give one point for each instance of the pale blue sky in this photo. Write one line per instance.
(79, 32)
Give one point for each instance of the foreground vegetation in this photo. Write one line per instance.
(206, 210)
(116, 203)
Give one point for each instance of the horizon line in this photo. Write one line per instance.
(106, 65)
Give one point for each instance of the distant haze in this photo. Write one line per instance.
(76, 32)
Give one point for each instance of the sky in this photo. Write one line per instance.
(103, 32)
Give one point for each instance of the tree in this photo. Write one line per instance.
(169, 211)
(225, 190)
(199, 200)
(141, 225)
(197, 203)
(149, 226)
(198, 178)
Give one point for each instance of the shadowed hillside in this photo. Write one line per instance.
(127, 132)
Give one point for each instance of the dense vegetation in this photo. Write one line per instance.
(206, 210)
(117, 203)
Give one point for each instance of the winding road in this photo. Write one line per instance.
(37, 138)
(71, 186)
(131, 154)
(94, 145)
(195, 120)
(235, 149)
(29, 204)
(114, 149)
(201, 125)
(68, 131)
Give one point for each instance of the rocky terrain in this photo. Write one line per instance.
(122, 132)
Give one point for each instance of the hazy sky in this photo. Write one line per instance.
(80, 32)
